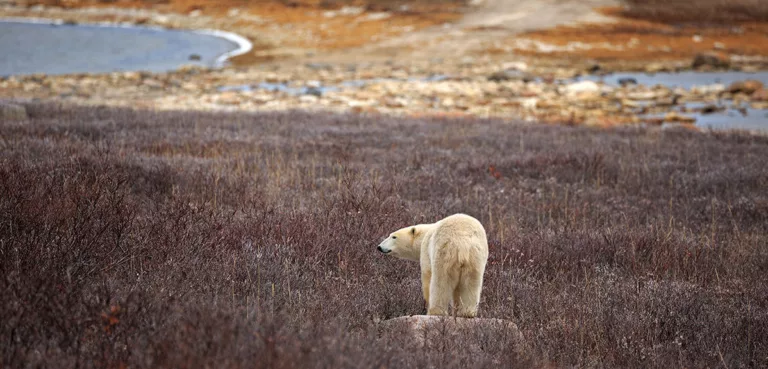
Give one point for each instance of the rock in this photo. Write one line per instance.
(710, 109)
(190, 69)
(510, 75)
(377, 16)
(424, 331)
(152, 83)
(10, 111)
(195, 57)
(760, 95)
(521, 66)
(314, 91)
(578, 88)
(229, 98)
(630, 104)
(746, 87)
(708, 89)
(594, 68)
(308, 99)
(397, 102)
(673, 117)
(711, 60)
(624, 82)
(655, 68)
(161, 19)
(319, 66)
(351, 10)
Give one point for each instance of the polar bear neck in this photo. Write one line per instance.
(418, 241)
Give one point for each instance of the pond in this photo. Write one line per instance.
(729, 117)
(43, 47)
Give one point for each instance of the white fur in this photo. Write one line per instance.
(453, 253)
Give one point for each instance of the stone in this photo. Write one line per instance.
(423, 331)
(314, 91)
(377, 16)
(710, 109)
(652, 68)
(710, 60)
(579, 88)
(674, 117)
(510, 75)
(10, 111)
(624, 82)
(760, 95)
(152, 83)
(745, 87)
(518, 65)
(593, 68)
(308, 99)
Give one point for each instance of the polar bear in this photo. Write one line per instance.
(453, 253)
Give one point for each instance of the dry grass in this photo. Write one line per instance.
(699, 11)
(143, 239)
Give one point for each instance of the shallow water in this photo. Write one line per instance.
(753, 120)
(28, 48)
(686, 80)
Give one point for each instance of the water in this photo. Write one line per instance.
(28, 48)
(685, 80)
(753, 120)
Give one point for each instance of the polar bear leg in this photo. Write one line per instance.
(441, 288)
(469, 288)
(426, 279)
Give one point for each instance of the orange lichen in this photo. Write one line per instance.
(634, 39)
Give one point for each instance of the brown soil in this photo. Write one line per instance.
(642, 40)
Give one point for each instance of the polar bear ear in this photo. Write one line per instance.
(413, 231)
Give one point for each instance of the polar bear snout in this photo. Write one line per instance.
(383, 247)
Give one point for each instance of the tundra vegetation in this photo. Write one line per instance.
(184, 239)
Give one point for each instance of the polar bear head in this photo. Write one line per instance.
(403, 243)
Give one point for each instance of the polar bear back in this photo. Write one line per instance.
(458, 241)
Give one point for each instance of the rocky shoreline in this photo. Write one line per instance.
(471, 89)
(489, 85)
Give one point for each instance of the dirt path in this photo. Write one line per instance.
(488, 21)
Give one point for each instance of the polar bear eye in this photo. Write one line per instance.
(394, 237)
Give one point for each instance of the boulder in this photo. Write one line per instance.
(510, 75)
(674, 117)
(10, 111)
(628, 81)
(760, 95)
(578, 88)
(653, 68)
(424, 331)
(710, 60)
(746, 87)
